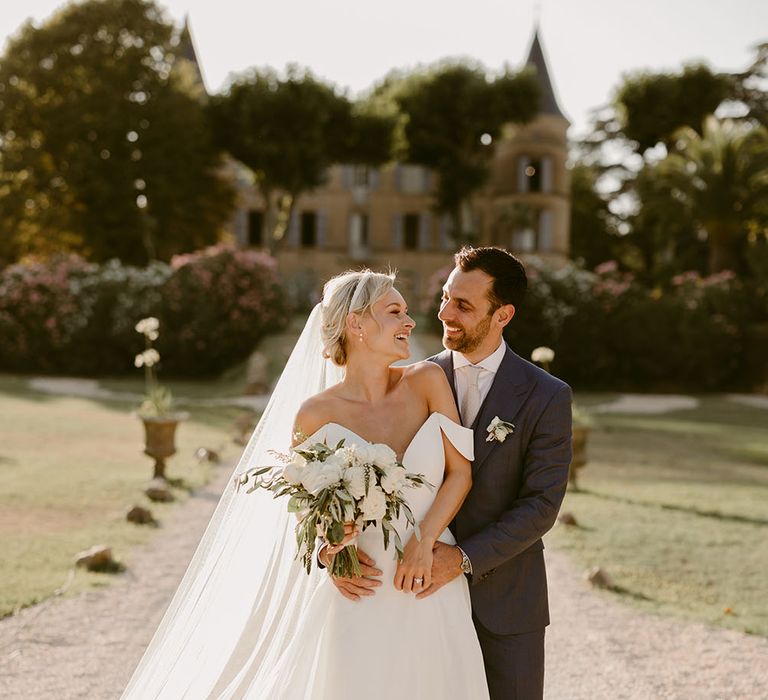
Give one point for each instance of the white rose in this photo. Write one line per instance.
(364, 454)
(500, 434)
(382, 455)
(337, 459)
(292, 473)
(374, 505)
(354, 478)
(317, 476)
(393, 479)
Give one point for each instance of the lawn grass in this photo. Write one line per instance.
(675, 508)
(71, 467)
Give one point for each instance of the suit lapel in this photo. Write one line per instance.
(507, 395)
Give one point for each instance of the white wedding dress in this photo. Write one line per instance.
(389, 645)
(247, 622)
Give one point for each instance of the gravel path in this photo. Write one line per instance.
(600, 648)
(87, 646)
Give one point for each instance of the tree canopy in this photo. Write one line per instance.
(450, 114)
(289, 130)
(104, 145)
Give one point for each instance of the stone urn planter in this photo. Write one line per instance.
(579, 459)
(160, 438)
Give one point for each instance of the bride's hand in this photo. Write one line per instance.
(350, 535)
(414, 572)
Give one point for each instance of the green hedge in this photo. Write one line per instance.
(609, 331)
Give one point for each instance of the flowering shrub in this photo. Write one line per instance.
(610, 331)
(40, 313)
(73, 317)
(216, 306)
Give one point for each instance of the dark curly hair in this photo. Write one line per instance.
(509, 279)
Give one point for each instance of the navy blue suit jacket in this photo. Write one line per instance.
(518, 486)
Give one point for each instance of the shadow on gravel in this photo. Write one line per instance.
(630, 594)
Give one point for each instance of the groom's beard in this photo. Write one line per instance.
(468, 342)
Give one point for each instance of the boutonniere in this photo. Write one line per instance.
(498, 430)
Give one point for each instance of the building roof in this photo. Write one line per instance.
(536, 59)
(186, 50)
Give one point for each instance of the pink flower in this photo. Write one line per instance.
(607, 268)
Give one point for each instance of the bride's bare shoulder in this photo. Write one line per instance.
(315, 412)
(426, 372)
(430, 382)
(426, 378)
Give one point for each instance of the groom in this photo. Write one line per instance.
(518, 481)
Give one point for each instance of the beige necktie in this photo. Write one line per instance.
(471, 403)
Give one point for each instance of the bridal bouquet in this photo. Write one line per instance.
(328, 486)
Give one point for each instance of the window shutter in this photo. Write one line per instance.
(346, 176)
(546, 242)
(293, 229)
(522, 179)
(241, 227)
(322, 228)
(446, 242)
(373, 178)
(398, 177)
(426, 180)
(546, 174)
(425, 234)
(397, 232)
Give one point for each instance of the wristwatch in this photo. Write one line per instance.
(466, 565)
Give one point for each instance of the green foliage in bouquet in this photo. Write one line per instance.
(330, 486)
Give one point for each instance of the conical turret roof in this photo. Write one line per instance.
(536, 59)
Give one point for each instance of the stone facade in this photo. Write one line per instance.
(383, 217)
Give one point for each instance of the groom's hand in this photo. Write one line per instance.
(446, 566)
(354, 588)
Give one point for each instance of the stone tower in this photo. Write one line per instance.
(528, 204)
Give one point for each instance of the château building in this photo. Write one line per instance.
(384, 218)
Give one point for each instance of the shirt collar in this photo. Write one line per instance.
(490, 363)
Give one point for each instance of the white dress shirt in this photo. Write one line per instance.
(490, 364)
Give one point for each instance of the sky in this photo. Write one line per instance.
(354, 43)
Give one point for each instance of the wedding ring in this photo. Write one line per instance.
(418, 580)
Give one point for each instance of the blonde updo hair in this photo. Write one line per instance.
(350, 292)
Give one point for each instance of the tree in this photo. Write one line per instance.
(751, 86)
(289, 131)
(648, 108)
(653, 106)
(721, 180)
(593, 234)
(663, 240)
(446, 112)
(104, 144)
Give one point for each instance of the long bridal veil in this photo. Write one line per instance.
(244, 590)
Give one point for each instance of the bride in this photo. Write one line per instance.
(247, 621)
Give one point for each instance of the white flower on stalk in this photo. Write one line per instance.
(317, 476)
(354, 478)
(148, 358)
(374, 505)
(394, 478)
(149, 327)
(498, 430)
(543, 355)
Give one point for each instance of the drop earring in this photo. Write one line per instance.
(361, 337)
